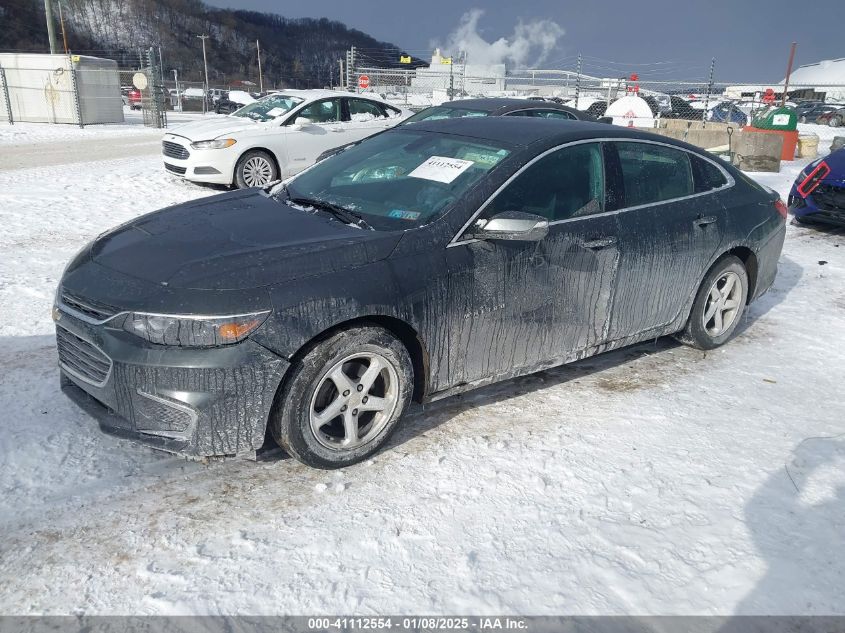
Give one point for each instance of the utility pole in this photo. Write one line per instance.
(788, 72)
(178, 94)
(205, 67)
(578, 83)
(340, 74)
(51, 33)
(707, 96)
(62, 23)
(260, 77)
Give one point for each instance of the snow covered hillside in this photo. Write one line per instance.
(652, 480)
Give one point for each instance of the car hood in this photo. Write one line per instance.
(236, 240)
(217, 126)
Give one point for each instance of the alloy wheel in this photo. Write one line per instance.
(354, 401)
(723, 303)
(257, 171)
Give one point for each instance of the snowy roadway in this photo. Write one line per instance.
(652, 480)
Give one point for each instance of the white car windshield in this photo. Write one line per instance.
(269, 107)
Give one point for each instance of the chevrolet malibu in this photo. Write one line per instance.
(428, 260)
(274, 137)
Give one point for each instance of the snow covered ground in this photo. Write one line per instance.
(652, 480)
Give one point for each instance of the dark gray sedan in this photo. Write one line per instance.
(428, 260)
(500, 107)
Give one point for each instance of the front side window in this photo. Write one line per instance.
(400, 179)
(325, 111)
(363, 110)
(565, 184)
(653, 173)
(268, 108)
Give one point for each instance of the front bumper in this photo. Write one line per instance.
(215, 166)
(196, 402)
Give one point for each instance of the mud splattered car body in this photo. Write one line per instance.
(513, 265)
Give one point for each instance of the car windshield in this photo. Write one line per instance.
(269, 107)
(399, 179)
(445, 112)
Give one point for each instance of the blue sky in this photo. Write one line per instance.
(657, 38)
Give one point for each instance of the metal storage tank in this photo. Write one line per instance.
(41, 88)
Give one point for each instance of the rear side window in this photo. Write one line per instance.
(706, 175)
(363, 110)
(653, 173)
(565, 184)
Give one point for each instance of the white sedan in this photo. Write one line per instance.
(275, 137)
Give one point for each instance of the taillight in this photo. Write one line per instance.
(781, 208)
(813, 179)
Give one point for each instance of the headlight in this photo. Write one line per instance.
(218, 143)
(190, 331)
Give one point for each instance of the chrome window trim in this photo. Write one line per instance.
(730, 182)
(75, 373)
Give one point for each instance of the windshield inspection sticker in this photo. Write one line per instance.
(441, 169)
(399, 214)
(276, 112)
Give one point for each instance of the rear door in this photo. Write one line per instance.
(670, 229)
(366, 117)
(514, 305)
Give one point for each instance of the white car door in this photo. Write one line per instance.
(325, 131)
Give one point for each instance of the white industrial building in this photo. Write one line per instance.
(821, 80)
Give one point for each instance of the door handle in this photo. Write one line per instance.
(704, 220)
(600, 243)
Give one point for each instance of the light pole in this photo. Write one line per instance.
(205, 67)
(178, 94)
(51, 32)
(260, 77)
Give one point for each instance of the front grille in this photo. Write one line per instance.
(174, 150)
(95, 309)
(829, 197)
(81, 359)
(175, 169)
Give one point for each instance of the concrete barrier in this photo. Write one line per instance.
(756, 151)
(838, 143)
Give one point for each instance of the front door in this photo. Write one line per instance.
(326, 131)
(515, 305)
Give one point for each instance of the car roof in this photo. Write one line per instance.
(501, 105)
(319, 93)
(526, 131)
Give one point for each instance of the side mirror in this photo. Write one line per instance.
(510, 225)
(301, 122)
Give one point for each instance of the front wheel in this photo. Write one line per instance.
(344, 398)
(718, 306)
(255, 169)
(835, 122)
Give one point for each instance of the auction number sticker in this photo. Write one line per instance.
(441, 169)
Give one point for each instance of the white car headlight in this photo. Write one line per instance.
(193, 331)
(218, 143)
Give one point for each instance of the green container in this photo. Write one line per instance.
(782, 119)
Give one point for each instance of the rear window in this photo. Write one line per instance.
(653, 173)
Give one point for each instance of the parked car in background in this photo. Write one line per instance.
(274, 137)
(727, 112)
(811, 115)
(423, 262)
(536, 108)
(133, 99)
(681, 109)
(834, 118)
(818, 194)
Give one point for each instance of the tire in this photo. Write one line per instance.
(710, 335)
(313, 388)
(255, 168)
(834, 122)
(803, 119)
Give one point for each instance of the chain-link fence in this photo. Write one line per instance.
(78, 90)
